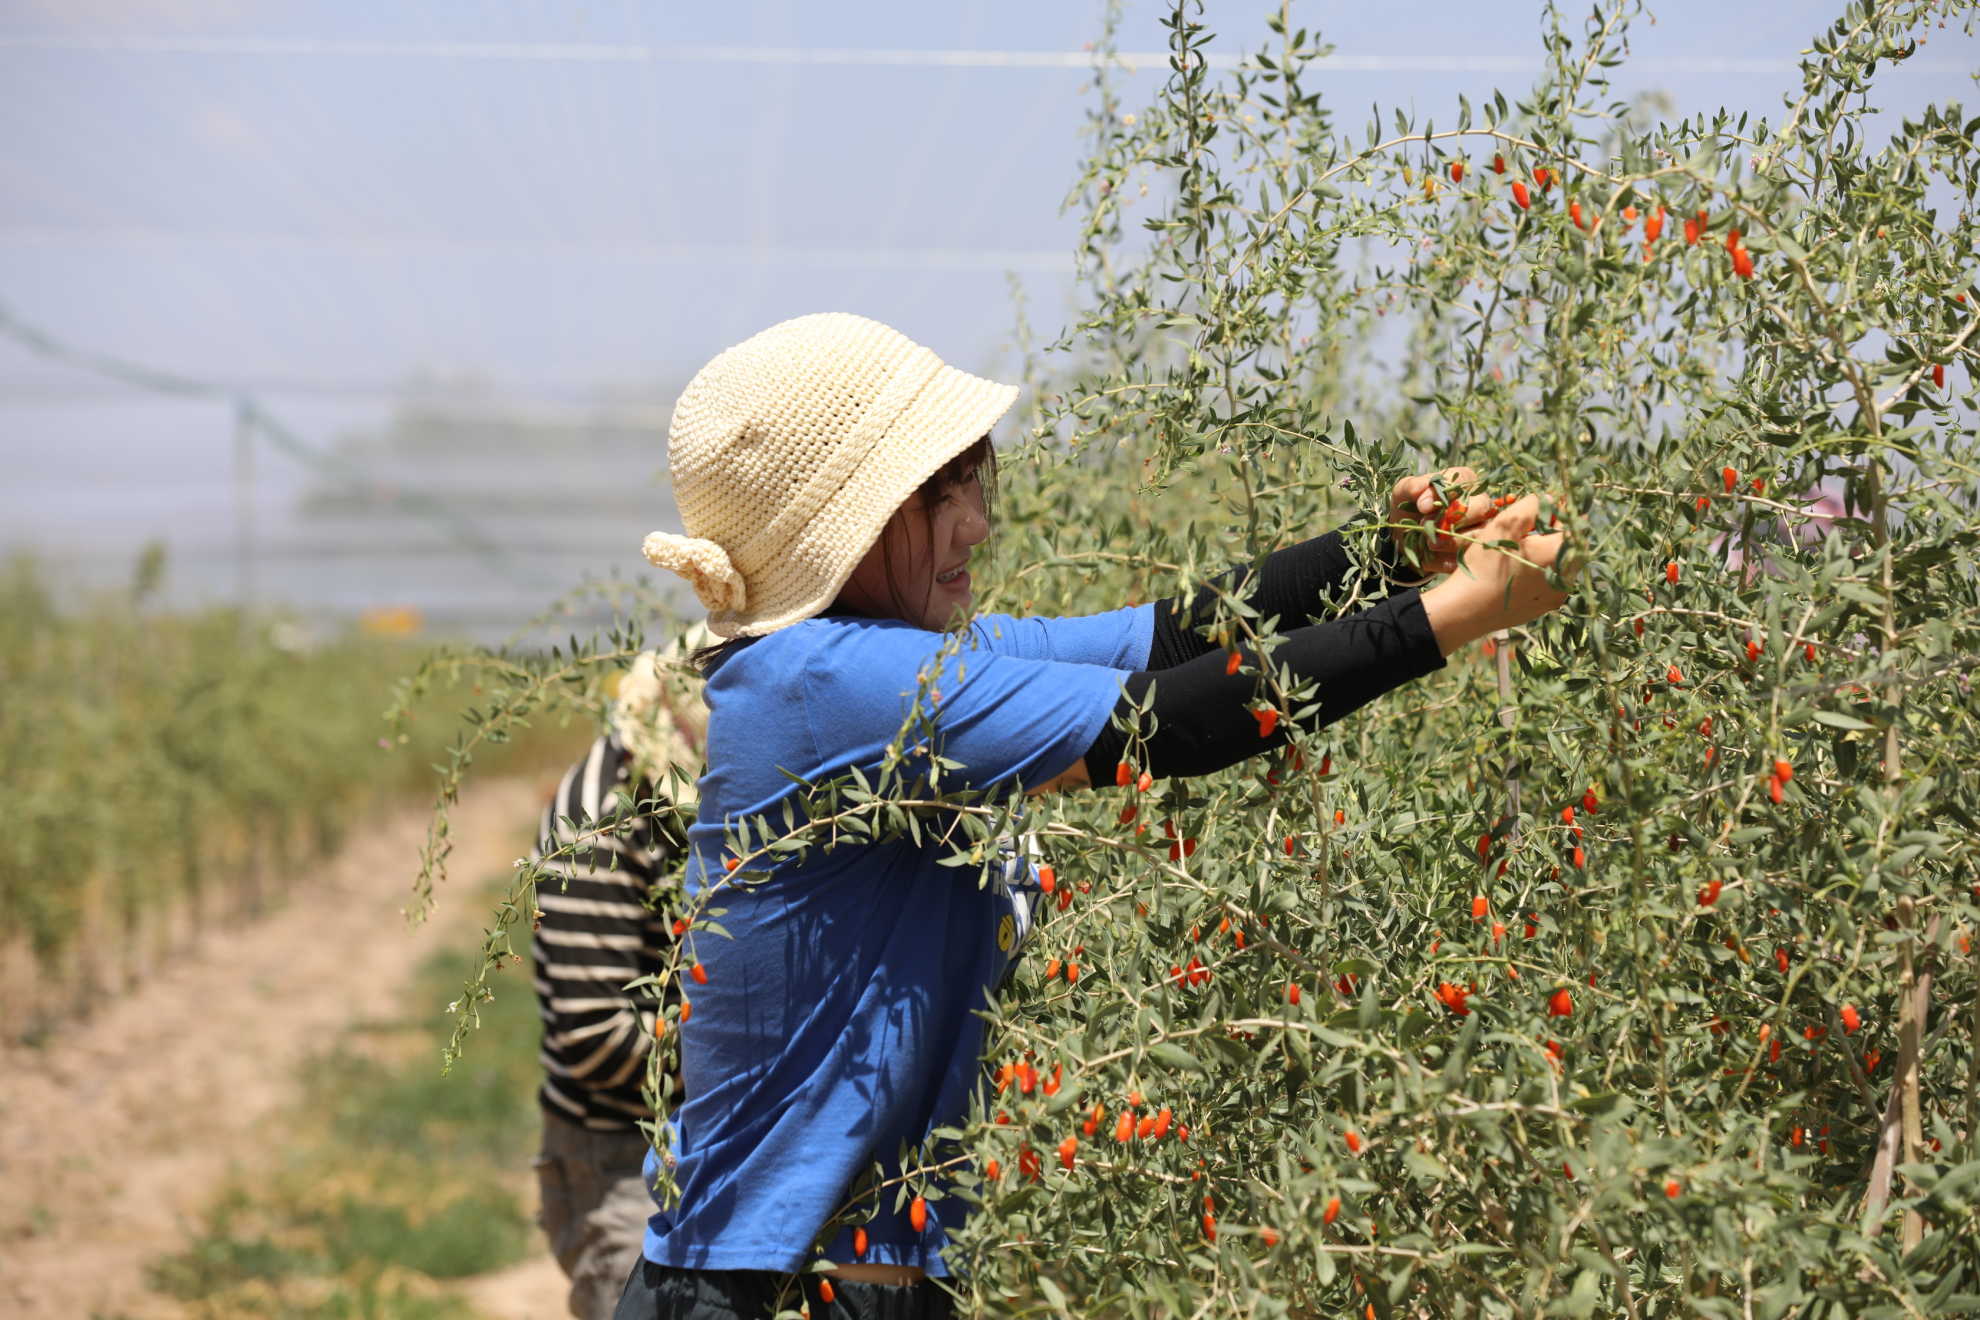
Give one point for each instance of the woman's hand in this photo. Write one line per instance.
(1499, 588)
(1447, 499)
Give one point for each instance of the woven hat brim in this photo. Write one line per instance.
(951, 413)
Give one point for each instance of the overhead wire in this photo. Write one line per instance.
(265, 423)
(638, 52)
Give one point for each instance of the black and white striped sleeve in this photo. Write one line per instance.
(597, 931)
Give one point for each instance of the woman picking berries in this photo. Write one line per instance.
(834, 479)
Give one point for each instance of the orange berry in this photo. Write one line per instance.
(1353, 1140)
(859, 1241)
(1671, 1189)
(1671, 572)
(918, 1211)
(1333, 1210)
(1851, 1019)
(1068, 1149)
(1478, 908)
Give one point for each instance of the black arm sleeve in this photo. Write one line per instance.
(1203, 715)
(1288, 584)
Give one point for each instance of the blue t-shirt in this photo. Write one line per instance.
(840, 1020)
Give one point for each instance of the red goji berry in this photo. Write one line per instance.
(1353, 1140)
(699, 973)
(1123, 774)
(859, 1241)
(1268, 720)
(1708, 893)
(1653, 226)
(826, 1293)
(918, 1208)
(1671, 1189)
(1851, 1020)
(1560, 1003)
(1333, 1210)
(1479, 906)
(1671, 572)
(1939, 375)
(1498, 163)
(1519, 195)
(1292, 993)
(1048, 879)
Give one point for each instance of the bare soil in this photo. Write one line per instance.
(116, 1133)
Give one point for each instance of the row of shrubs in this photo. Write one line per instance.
(166, 771)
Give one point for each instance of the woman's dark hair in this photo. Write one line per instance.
(979, 460)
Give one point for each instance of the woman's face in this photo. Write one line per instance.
(928, 541)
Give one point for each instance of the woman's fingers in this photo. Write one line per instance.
(1427, 492)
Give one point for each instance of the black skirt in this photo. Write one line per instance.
(662, 1292)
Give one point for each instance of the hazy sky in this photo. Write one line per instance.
(319, 199)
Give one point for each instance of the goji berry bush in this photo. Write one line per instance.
(1626, 966)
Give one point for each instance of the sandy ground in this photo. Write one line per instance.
(114, 1135)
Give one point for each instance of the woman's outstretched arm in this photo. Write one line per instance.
(1207, 713)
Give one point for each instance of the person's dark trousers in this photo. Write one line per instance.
(660, 1292)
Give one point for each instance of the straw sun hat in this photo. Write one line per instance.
(790, 451)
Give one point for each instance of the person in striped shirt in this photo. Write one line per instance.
(605, 845)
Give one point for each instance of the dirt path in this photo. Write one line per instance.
(114, 1136)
